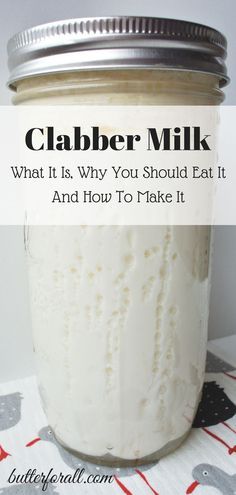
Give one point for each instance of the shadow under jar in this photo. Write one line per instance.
(119, 313)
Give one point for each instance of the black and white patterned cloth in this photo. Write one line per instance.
(204, 464)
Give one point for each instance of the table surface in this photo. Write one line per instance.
(225, 348)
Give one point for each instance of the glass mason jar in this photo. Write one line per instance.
(119, 313)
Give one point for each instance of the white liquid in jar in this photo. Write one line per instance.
(119, 316)
(120, 313)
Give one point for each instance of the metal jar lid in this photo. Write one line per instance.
(116, 43)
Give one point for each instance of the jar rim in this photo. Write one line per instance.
(120, 42)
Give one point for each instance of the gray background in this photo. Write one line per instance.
(16, 352)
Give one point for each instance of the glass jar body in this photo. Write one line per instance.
(120, 313)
